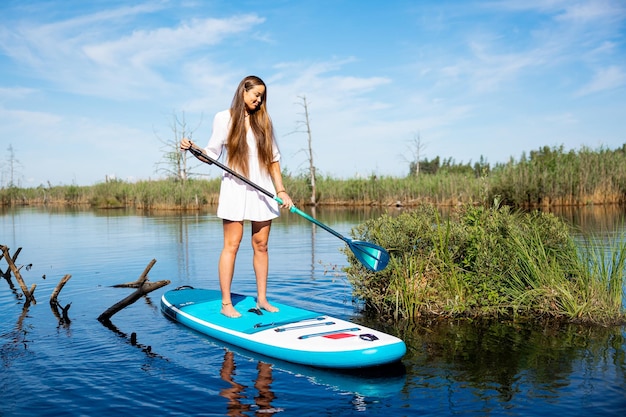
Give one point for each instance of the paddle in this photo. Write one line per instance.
(373, 257)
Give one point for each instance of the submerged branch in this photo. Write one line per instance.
(61, 316)
(142, 278)
(143, 288)
(29, 294)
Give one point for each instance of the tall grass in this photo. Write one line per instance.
(442, 189)
(552, 176)
(163, 194)
(585, 285)
(486, 262)
(546, 177)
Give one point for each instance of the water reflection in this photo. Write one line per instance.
(598, 219)
(7, 276)
(501, 361)
(132, 339)
(236, 392)
(16, 341)
(363, 386)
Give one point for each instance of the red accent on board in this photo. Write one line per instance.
(339, 335)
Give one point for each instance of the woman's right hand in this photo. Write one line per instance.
(185, 144)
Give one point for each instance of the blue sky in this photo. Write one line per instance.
(88, 89)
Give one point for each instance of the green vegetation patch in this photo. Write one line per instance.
(489, 262)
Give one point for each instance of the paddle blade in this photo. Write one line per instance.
(373, 257)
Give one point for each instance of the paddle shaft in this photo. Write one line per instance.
(370, 255)
(293, 209)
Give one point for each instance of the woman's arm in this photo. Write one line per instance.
(277, 178)
(217, 140)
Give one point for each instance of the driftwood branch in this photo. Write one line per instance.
(142, 278)
(62, 315)
(7, 274)
(140, 292)
(143, 287)
(59, 287)
(29, 294)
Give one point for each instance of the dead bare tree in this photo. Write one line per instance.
(12, 165)
(304, 126)
(416, 151)
(174, 163)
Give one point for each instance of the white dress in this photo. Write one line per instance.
(238, 201)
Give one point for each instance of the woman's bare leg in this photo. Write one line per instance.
(233, 231)
(260, 261)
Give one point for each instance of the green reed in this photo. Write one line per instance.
(546, 177)
(162, 194)
(583, 285)
(553, 176)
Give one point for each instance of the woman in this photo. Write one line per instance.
(246, 132)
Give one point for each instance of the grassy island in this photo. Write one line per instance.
(490, 262)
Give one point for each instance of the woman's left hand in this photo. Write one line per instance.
(287, 203)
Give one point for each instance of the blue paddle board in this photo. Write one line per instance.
(292, 334)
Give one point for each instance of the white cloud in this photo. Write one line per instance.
(144, 48)
(571, 36)
(488, 70)
(15, 93)
(21, 120)
(91, 55)
(589, 11)
(565, 10)
(604, 79)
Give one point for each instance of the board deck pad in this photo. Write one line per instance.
(207, 304)
(293, 334)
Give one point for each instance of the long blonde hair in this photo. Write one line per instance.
(260, 123)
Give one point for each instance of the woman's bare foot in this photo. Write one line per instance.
(267, 307)
(229, 311)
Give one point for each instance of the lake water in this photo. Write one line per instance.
(148, 365)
